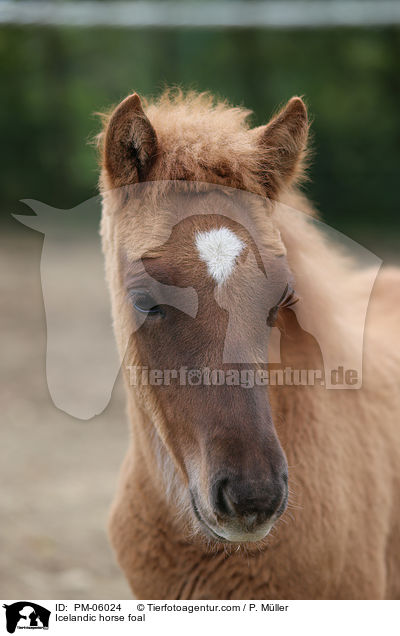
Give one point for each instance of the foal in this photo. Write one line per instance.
(202, 263)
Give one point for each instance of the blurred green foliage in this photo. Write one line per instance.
(53, 80)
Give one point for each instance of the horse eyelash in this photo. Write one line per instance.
(288, 299)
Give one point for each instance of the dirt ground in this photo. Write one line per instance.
(57, 473)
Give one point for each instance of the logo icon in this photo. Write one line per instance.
(26, 615)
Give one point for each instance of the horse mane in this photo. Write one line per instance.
(206, 139)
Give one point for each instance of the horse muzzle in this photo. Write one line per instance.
(241, 511)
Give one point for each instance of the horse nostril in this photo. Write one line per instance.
(223, 504)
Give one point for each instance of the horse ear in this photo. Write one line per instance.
(130, 143)
(283, 143)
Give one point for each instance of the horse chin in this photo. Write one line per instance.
(231, 532)
(235, 534)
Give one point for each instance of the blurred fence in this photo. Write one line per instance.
(62, 61)
(250, 14)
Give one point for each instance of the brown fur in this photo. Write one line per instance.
(341, 538)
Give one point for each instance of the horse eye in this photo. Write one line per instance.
(145, 304)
